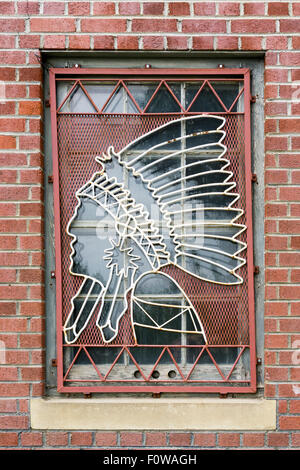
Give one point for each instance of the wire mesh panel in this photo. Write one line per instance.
(153, 231)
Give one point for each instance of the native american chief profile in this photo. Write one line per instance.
(167, 198)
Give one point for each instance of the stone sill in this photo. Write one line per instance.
(185, 414)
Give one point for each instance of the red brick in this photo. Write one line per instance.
(295, 406)
(31, 439)
(79, 8)
(15, 91)
(295, 208)
(253, 26)
(289, 160)
(276, 374)
(205, 439)
(29, 242)
(296, 9)
(31, 108)
(9, 439)
(295, 243)
(32, 373)
(289, 422)
(54, 42)
(204, 8)
(104, 8)
(7, 308)
(32, 308)
(8, 374)
(154, 25)
(203, 43)
(270, 358)
(227, 43)
(79, 42)
(289, 259)
(151, 8)
(289, 58)
(129, 8)
(104, 42)
(7, 42)
(81, 439)
(180, 439)
(13, 422)
(30, 142)
(8, 406)
(7, 142)
(229, 440)
(204, 26)
(12, 125)
(57, 438)
(30, 74)
(13, 259)
(156, 439)
(251, 43)
(54, 8)
(94, 25)
(278, 9)
(8, 74)
(229, 9)
(295, 374)
(7, 108)
(290, 325)
(52, 25)
(276, 341)
(106, 439)
(127, 43)
(276, 176)
(276, 143)
(278, 439)
(7, 8)
(14, 390)
(274, 108)
(153, 42)
(179, 9)
(11, 25)
(289, 125)
(13, 226)
(37, 325)
(13, 324)
(276, 275)
(295, 143)
(8, 275)
(131, 439)
(177, 43)
(7, 209)
(28, 7)
(296, 440)
(290, 193)
(276, 42)
(30, 341)
(30, 275)
(254, 9)
(290, 26)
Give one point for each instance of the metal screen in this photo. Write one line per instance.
(93, 111)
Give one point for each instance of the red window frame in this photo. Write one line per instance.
(57, 74)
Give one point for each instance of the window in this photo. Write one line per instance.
(153, 230)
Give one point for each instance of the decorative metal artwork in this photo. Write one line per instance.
(154, 284)
(137, 250)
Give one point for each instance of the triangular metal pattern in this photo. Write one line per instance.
(79, 101)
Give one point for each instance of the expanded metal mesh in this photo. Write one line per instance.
(223, 310)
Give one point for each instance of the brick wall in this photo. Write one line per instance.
(26, 27)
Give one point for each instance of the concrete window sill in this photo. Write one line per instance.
(153, 414)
